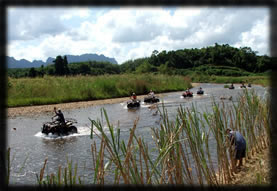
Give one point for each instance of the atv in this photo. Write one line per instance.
(133, 104)
(151, 99)
(56, 127)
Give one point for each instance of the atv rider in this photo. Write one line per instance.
(59, 115)
(134, 97)
(151, 93)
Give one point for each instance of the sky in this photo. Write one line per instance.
(126, 33)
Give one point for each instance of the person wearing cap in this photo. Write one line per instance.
(238, 140)
(134, 97)
(59, 115)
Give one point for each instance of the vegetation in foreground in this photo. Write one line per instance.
(51, 90)
(184, 151)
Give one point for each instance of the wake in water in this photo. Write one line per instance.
(82, 131)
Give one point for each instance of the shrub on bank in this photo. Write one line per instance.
(200, 78)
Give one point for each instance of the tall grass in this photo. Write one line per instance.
(50, 90)
(8, 169)
(64, 177)
(261, 80)
(193, 149)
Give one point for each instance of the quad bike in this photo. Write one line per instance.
(151, 99)
(187, 94)
(56, 127)
(200, 92)
(133, 104)
(242, 86)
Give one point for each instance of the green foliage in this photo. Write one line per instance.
(32, 73)
(61, 66)
(131, 66)
(199, 77)
(219, 60)
(50, 90)
(145, 68)
(221, 70)
(229, 60)
(226, 86)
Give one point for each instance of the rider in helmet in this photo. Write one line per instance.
(59, 115)
(134, 97)
(151, 93)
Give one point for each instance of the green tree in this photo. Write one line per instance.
(32, 72)
(65, 65)
(145, 68)
(59, 65)
(84, 68)
(41, 71)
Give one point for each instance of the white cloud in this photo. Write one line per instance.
(256, 38)
(129, 33)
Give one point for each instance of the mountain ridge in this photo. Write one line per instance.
(23, 63)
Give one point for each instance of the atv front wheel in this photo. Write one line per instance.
(73, 129)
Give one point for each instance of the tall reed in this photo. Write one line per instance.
(8, 169)
(191, 149)
(65, 177)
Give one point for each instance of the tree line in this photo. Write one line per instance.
(213, 60)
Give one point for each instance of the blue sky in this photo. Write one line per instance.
(132, 32)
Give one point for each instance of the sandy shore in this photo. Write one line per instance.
(33, 110)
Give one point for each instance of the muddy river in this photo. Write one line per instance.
(29, 147)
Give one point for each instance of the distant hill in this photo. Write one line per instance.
(13, 63)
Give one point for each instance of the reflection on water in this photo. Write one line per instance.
(29, 147)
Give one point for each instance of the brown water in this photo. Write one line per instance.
(29, 147)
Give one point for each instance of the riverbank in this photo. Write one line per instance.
(34, 110)
(258, 80)
(66, 89)
(255, 171)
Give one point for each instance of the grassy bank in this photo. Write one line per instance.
(193, 149)
(261, 80)
(51, 90)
